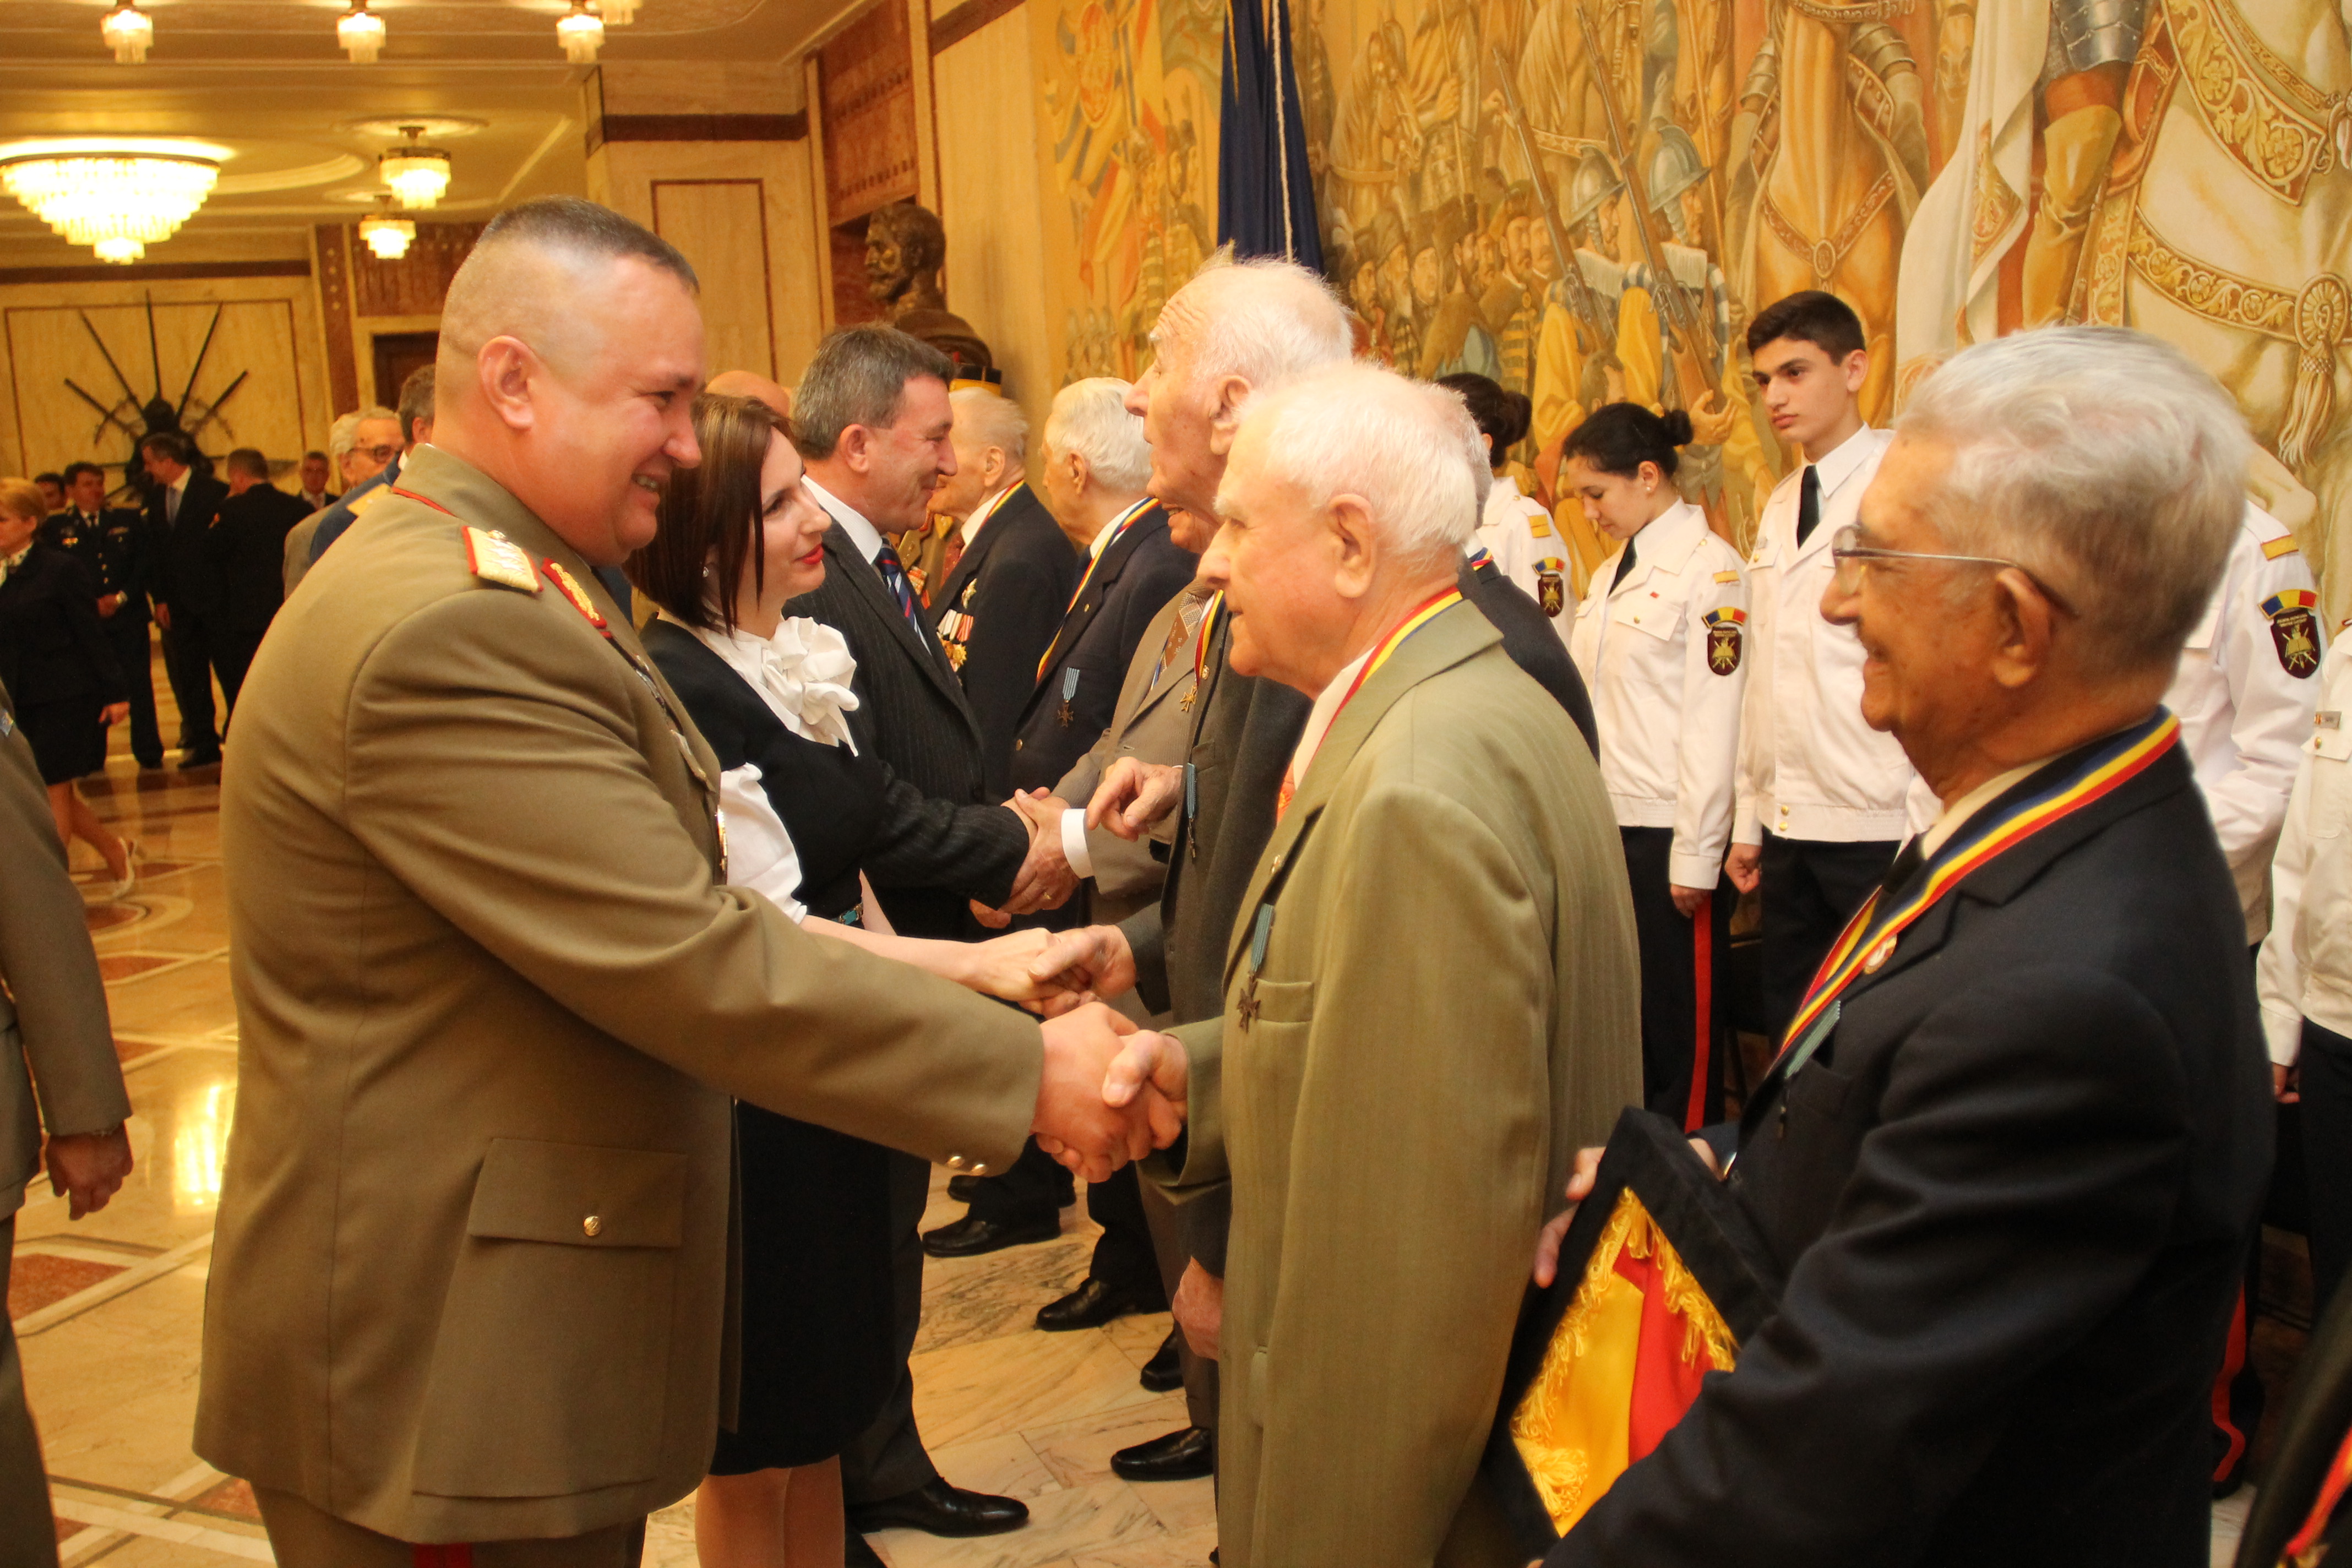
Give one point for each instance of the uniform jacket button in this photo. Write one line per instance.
(591, 1225)
(955, 1162)
(980, 1168)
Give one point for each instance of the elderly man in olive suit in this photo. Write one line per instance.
(471, 1287)
(52, 1022)
(1433, 973)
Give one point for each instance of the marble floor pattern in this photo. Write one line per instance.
(109, 1310)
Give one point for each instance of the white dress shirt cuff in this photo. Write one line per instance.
(2285, 1033)
(1074, 842)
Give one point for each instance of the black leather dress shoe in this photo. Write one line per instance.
(191, 761)
(972, 1235)
(1181, 1456)
(963, 1189)
(857, 1552)
(1165, 1370)
(938, 1509)
(1090, 1306)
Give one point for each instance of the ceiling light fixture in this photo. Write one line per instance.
(617, 13)
(128, 32)
(580, 33)
(386, 235)
(361, 31)
(117, 195)
(416, 175)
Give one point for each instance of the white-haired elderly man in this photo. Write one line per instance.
(2013, 1149)
(365, 446)
(1434, 973)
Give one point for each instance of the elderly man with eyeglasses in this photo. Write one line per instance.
(2012, 1152)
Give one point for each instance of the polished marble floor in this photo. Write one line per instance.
(108, 1308)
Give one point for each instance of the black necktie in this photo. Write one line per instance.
(1905, 866)
(1625, 565)
(894, 577)
(1809, 503)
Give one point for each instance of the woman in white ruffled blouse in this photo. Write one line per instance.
(803, 812)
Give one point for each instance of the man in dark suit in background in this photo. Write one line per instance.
(997, 610)
(315, 495)
(184, 585)
(2013, 1151)
(871, 420)
(113, 541)
(247, 544)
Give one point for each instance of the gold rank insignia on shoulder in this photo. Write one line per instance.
(495, 558)
(1539, 527)
(2283, 546)
(1726, 576)
(569, 586)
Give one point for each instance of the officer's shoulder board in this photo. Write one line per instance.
(1726, 576)
(359, 504)
(495, 558)
(2283, 544)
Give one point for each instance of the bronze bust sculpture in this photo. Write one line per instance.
(905, 247)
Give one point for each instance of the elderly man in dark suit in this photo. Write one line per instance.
(185, 586)
(2013, 1150)
(997, 610)
(247, 545)
(872, 422)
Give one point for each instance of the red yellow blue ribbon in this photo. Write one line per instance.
(1382, 649)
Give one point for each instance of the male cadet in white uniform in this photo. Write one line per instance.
(1821, 795)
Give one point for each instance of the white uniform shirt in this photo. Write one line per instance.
(1518, 532)
(2305, 970)
(1665, 655)
(2244, 694)
(1809, 766)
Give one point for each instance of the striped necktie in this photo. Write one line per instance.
(894, 577)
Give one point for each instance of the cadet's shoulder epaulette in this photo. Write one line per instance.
(2283, 544)
(495, 558)
(1726, 576)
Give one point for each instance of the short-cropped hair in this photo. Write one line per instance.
(1809, 316)
(2101, 460)
(859, 377)
(578, 226)
(249, 461)
(22, 498)
(173, 446)
(1409, 449)
(345, 432)
(1090, 417)
(415, 401)
(76, 470)
(1265, 320)
(986, 417)
(711, 516)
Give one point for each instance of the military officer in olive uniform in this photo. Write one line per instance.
(113, 541)
(470, 1284)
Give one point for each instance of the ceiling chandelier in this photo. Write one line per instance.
(128, 32)
(117, 195)
(361, 32)
(580, 33)
(388, 235)
(416, 175)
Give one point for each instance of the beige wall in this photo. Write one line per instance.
(741, 212)
(989, 205)
(269, 331)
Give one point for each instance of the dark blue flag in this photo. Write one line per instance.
(1265, 198)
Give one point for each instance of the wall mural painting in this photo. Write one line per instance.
(1587, 199)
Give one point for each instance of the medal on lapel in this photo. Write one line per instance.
(1246, 1013)
(1067, 715)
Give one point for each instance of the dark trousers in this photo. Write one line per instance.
(887, 1460)
(1123, 1255)
(1033, 1190)
(2325, 1076)
(27, 1535)
(188, 662)
(1811, 890)
(135, 652)
(232, 651)
(1160, 1217)
(1685, 1001)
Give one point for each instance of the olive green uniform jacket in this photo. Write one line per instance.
(1446, 1011)
(472, 1275)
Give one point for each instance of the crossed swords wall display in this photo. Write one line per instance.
(136, 418)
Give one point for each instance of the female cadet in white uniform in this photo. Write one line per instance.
(1514, 528)
(1660, 639)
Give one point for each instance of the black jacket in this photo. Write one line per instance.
(2317, 1417)
(846, 811)
(180, 575)
(1140, 571)
(912, 714)
(2015, 1192)
(114, 549)
(53, 646)
(246, 548)
(1002, 605)
(1533, 646)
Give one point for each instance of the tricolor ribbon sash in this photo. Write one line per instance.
(1868, 939)
(1126, 520)
(1381, 651)
(1209, 614)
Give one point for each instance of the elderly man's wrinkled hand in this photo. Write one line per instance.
(1075, 1122)
(1045, 880)
(1151, 1072)
(1095, 958)
(1133, 795)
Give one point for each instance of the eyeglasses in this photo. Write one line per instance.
(380, 454)
(1848, 551)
